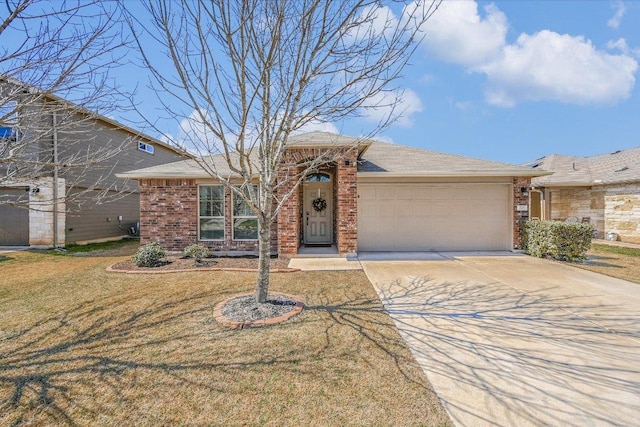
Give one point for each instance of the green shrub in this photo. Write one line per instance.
(197, 252)
(559, 240)
(149, 255)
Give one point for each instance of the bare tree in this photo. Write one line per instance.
(55, 59)
(242, 77)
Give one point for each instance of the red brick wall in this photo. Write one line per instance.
(288, 223)
(168, 212)
(290, 229)
(519, 216)
(347, 206)
(169, 215)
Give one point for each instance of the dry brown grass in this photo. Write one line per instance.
(620, 262)
(80, 346)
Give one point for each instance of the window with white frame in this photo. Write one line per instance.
(211, 212)
(147, 148)
(245, 222)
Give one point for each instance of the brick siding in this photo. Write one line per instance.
(169, 216)
(168, 212)
(519, 216)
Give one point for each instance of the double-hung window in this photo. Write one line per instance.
(211, 212)
(245, 222)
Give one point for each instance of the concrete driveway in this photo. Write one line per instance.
(510, 340)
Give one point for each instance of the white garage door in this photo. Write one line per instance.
(433, 217)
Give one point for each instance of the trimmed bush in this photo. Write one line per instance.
(197, 252)
(558, 240)
(149, 255)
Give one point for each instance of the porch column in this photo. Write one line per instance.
(289, 215)
(347, 198)
(519, 216)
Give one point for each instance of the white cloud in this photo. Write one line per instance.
(457, 33)
(550, 66)
(542, 66)
(318, 126)
(194, 134)
(399, 105)
(373, 22)
(620, 44)
(621, 9)
(463, 105)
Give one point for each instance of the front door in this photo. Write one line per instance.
(318, 212)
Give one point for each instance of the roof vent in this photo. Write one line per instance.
(622, 169)
(617, 151)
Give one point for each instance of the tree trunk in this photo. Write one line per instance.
(264, 260)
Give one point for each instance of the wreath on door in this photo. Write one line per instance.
(319, 204)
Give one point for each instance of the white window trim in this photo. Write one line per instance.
(146, 147)
(224, 217)
(233, 221)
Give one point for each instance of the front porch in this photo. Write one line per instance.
(320, 216)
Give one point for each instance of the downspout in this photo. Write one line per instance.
(55, 180)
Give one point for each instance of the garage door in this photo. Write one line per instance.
(433, 217)
(14, 222)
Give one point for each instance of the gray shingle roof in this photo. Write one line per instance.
(616, 167)
(393, 159)
(377, 159)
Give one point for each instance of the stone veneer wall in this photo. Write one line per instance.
(622, 211)
(41, 212)
(580, 203)
(519, 216)
(169, 215)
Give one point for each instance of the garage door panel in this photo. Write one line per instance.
(14, 220)
(418, 217)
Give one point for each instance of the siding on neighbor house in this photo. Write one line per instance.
(99, 136)
(622, 211)
(92, 221)
(14, 220)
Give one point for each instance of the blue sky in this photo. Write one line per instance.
(590, 41)
(514, 80)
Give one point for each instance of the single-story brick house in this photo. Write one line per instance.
(603, 190)
(378, 197)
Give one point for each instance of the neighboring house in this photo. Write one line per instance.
(603, 190)
(380, 197)
(91, 203)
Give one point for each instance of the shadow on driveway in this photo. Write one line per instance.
(497, 355)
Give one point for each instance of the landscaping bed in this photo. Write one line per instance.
(180, 263)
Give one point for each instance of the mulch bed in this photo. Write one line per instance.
(173, 263)
(242, 311)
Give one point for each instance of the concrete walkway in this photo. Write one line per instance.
(510, 340)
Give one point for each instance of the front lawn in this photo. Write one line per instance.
(614, 261)
(80, 346)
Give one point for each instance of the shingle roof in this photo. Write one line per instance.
(617, 167)
(377, 159)
(393, 159)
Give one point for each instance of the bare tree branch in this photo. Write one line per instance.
(244, 76)
(55, 59)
